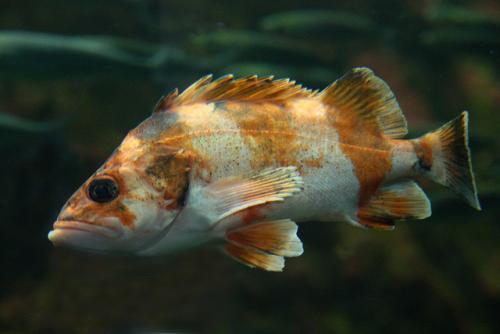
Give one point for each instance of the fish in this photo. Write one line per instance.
(237, 162)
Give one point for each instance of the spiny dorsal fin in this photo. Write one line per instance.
(399, 201)
(361, 99)
(226, 88)
(166, 100)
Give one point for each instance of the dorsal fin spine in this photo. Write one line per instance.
(166, 100)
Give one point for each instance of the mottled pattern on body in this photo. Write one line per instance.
(239, 161)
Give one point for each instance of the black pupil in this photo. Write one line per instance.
(103, 190)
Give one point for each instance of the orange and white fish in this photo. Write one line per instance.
(239, 161)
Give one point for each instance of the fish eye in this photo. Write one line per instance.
(102, 190)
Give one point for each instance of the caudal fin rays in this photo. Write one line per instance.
(446, 154)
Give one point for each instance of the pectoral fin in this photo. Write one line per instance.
(269, 186)
(264, 244)
(226, 197)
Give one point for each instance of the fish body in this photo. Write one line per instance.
(239, 161)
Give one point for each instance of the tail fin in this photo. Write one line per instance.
(444, 156)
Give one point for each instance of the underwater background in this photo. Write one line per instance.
(76, 76)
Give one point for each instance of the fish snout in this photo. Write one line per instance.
(81, 234)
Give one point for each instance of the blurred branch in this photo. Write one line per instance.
(16, 123)
(315, 19)
(33, 53)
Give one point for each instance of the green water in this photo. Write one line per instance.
(76, 76)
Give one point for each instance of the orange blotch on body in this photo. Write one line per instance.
(252, 214)
(423, 150)
(266, 129)
(367, 148)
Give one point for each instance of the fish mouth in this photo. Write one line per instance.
(64, 231)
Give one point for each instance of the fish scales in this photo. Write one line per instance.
(236, 138)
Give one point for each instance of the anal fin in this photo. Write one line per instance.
(264, 244)
(398, 201)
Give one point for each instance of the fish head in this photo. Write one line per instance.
(127, 204)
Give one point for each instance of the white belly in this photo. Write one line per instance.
(330, 191)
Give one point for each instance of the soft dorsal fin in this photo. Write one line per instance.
(366, 103)
(226, 88)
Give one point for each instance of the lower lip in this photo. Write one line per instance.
(61, 226)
